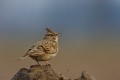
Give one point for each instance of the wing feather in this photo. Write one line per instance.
(36, 49)
(50, 47)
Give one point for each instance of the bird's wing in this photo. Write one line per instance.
(50, 47)
(36, 49)
(47, 46)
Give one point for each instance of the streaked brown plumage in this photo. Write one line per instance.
(45, 49)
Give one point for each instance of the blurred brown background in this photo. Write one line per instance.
(90, 41)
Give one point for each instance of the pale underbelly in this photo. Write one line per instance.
(44, 57)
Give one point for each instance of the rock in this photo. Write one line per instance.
(45, 72)
(37, 72)
(86, 76)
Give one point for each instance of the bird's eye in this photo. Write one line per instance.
(51, 34)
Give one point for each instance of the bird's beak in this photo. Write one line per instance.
(59, 34)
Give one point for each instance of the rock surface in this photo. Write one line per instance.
(45, 72)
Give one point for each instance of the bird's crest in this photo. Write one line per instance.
(49, 30)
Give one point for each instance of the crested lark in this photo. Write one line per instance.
(45, 49)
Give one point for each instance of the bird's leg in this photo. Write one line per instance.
(38, 62)
(48, 63)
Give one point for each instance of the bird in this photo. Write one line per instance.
(45, 49)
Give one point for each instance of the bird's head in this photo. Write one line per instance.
(51, 35)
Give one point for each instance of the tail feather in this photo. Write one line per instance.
(23, 57)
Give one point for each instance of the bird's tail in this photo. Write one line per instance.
(23, 57)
